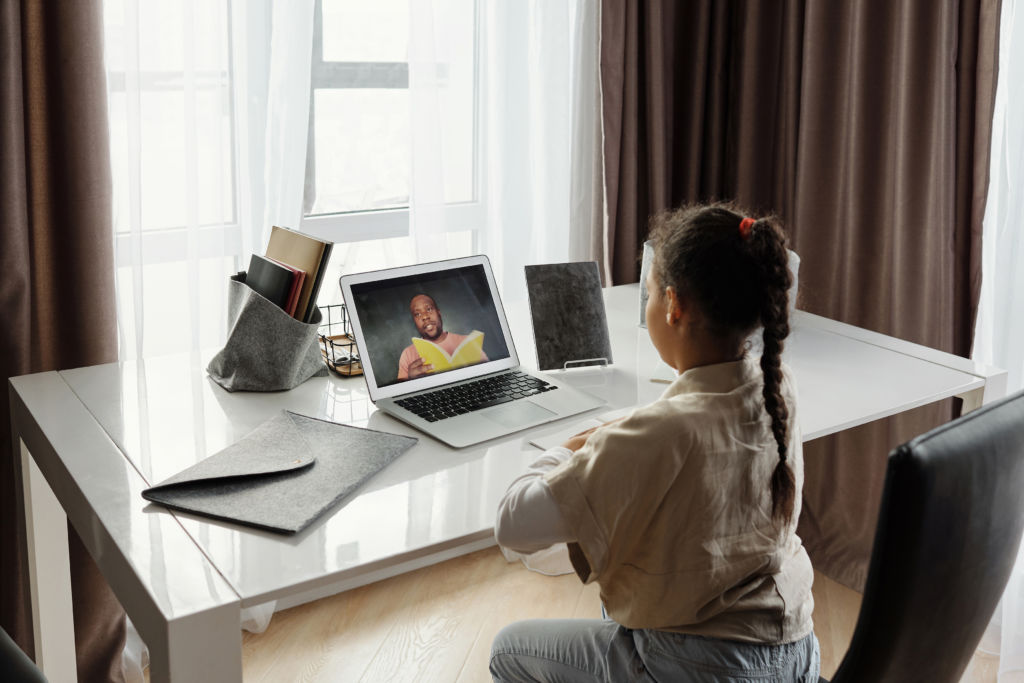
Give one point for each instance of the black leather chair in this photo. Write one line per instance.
(15, 666)
(948, 531)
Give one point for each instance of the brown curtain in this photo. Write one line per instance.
(56, 260)
(865, 125)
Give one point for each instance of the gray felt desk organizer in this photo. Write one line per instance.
(266, 349)
(282, 475)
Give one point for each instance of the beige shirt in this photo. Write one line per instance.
(671, 508)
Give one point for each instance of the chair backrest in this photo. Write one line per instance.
(15, 666)
(948, 531)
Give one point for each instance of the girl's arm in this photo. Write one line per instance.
(529, 518)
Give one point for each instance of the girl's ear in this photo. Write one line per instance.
(673, 306)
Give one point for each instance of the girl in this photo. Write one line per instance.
(685, 511)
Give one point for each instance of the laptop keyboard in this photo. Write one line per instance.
(476, 395)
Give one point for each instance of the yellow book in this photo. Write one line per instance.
(466, 353)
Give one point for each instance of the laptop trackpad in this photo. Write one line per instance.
(518, 414)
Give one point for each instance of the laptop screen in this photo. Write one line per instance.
(423, 324)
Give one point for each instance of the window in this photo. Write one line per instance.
(164, 59)
(192, 104)
(173, 121)
(359, 155)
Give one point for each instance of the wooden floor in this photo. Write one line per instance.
(437, 624)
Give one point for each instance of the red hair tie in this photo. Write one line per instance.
(745, 225)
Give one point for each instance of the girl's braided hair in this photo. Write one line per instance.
(738, 279)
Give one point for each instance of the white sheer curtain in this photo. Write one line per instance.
(287, 114)
(999, 335)
(435, 28)
(209, 109)
(540, 123)
(538, 132)
(538, 194)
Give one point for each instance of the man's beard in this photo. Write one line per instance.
(438, 331)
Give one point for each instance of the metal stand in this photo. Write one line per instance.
(585, 362)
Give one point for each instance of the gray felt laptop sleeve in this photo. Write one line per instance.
(282, 475)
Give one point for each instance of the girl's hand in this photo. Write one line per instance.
(576, 442)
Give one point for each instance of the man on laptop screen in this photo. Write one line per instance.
(424, 324)
(437, 348)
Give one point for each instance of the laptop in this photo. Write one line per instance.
(437, 353)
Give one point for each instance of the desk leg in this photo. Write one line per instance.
(200, 647)
(49, 570)
(994, 389)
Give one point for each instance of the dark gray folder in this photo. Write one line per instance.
(282, 475)
(570, 325)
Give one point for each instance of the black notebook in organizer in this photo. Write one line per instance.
(271, 280)
(570, 325)
(282, 475)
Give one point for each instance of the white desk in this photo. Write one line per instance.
(97, 436)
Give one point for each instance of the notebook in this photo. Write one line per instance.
(298, 279)
(473, 388)
(270, 280)
(305, 253)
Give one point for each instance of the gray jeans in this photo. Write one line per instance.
(576, 650)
